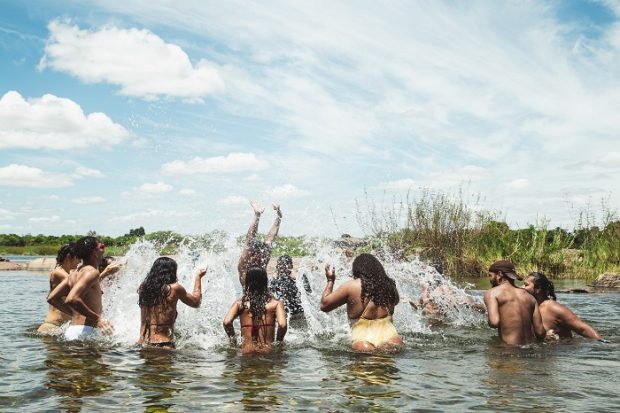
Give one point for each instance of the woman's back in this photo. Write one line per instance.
(157, 322)
(257, 334)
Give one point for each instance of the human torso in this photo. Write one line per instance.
(516, 309)
(356, 307)
(91, 297)
(54, 315)
(257, 335)
(551, 321)
(157, 322)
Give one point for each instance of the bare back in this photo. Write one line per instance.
(258, 335)
(54, 315)
(356, 306)
(157, 322)
(91, 295)
(514, 312)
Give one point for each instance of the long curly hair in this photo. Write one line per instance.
(153, 289)
(65, 251)
(541, 281)
(376, 285)
(256, 292)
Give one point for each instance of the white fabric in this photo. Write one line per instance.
(80, 332)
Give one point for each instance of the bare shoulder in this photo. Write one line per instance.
(273, 304)
(88, 272)
(58, 274)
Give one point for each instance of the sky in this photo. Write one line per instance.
(172, 115)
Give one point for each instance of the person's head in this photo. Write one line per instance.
(89, 250)
(66, 255)
(153, 289)
(284, 265)
(259, 254)
(503, 270)
(539, 286)
(256, 291)
(376, 285)
(107, 260)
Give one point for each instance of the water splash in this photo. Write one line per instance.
(202, 327)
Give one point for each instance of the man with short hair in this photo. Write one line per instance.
(83, 291)
(512, 310)
(255, 252)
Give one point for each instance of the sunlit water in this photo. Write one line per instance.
(454, 367)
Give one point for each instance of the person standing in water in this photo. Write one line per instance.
(255, 252)
(370, 298)
(258, 314)
(158, 295)
(512, 310)
(284, 287)
(83, 300)
(66, 261)
(559, 320)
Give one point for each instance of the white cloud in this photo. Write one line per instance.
(612, 159)
(286, 191)
(82, 171)
(156, 188)
(53, 218)
(6, 215)
(27, 176)
(151, 214)
(51, 122)
(89, 200)
(188, 192)
(400, 184)
(137, 60)
(234, 200)
(518, 184)
(233, 162)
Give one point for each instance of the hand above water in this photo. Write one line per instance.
(330, 273)
(258, 210)
(201, 272)
(105, 327)
(276, 208)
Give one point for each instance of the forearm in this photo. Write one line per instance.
(329, 288)
(79, 306)
(273, 232)
(60, 305)
(281, 332)
(197, 292)
(589, 332)
(249, 238)
(230, 332)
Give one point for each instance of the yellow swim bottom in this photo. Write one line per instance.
(376, 332)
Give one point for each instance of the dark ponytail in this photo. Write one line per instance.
(541, 281)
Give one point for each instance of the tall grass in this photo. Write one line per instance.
(454, 233)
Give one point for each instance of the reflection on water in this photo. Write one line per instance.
(155, 377)
(75, 371)
(258, 378)
(370, 379)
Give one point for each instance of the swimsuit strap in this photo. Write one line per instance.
(365, 308)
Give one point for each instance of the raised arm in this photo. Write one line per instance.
(492, 309)
(55, 297)
(576, 324)
(228, 321)
(249, 240)
(194, 298)
(330, 299)
(281, 320)
(273, 232)
(111, 269)
(539, 328)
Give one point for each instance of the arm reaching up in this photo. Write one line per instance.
(249, 240)
(273, 232)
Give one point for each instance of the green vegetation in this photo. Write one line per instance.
(464, 239)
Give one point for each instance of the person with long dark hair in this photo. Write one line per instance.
(559, 320)
(258, 314)
(66, 261)
(370, 298)
(158, 295)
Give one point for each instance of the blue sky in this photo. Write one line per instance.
(172, 115)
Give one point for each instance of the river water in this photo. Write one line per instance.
(458, 366)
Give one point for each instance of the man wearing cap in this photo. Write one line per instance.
(512, 310)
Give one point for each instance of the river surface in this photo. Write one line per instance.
(458, 367)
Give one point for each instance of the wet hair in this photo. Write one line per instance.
(256, 292)
(376, 285)
(105, 261)
(259, 251)
(153, 289)
(284, 262)
(541, 281)
(85, 246)
(65, 251)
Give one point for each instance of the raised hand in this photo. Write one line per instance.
(330, 273)
(256, 207)
(202, 271)
(276, 208)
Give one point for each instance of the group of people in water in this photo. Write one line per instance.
(265, 308)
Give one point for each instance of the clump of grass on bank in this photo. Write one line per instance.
(463, 239)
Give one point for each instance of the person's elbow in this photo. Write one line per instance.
(325, 307)
(493, 323)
